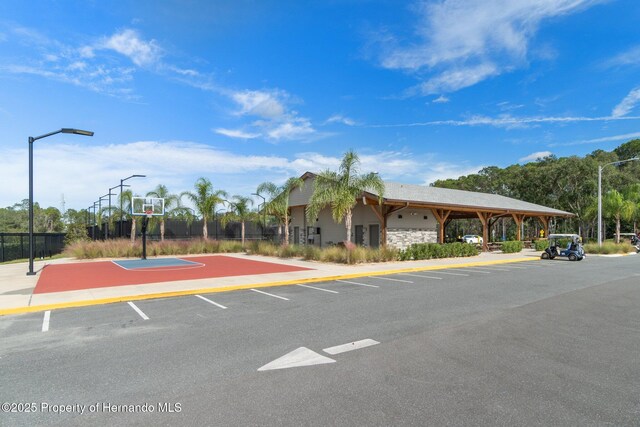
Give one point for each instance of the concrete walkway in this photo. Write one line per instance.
(16, 288)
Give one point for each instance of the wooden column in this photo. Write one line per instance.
(545, 224)
(518, 219)
(484, 219)
(441, 216)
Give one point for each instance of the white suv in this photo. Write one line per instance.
(472, 238)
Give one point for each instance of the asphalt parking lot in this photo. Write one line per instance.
(528, 343)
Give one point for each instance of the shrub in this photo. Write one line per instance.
(513, 246)
(609, 248)
(541, 245)
(436, 250)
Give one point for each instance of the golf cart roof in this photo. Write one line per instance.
(627, 234)
(560, 236)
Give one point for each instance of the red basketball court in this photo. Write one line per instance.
(102, 274)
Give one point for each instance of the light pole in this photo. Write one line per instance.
(106, 196)
(31, 140)
(93, 224)
(218, 221)
(122, 185)
(600, 167)
(111, 194)
(264, 212)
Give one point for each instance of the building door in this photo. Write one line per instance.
(374, 235)
(359, 235)
(296, 235)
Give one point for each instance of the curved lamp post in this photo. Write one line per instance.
(31, 140)
(264, 212)
(122, 185)
(600, 167)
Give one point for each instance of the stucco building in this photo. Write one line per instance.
(408, 214)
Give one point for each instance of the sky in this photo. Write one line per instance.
(246, 91)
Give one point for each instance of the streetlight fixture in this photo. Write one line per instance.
(264, 212)
(122, 185)
(106, 196)
(112, 194)
(31, 141)
(600, 167)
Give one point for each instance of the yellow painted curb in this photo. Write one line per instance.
(85, 303)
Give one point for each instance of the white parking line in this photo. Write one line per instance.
(421, 275)
(45, 321)
(135, 307)
(489, 268)
(318, 289)
(388, 278)
(447, 272)
(350, 346)
(271, 295)
(210, 302)
(476, 270)
(356, 283)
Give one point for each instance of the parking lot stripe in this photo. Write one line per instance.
(350, 346)
(475, 270)
(45, 321)
(271, 295)
(319, 289)
(483, 269)
(210, 302)
(421, 275)
(452, 274)
(388, 278)
(356, 283)
(135, 307)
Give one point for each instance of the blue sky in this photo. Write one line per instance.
(244, 92)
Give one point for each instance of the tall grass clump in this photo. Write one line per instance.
(419, 251)
(609, 248)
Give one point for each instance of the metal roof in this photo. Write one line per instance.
(459, 198)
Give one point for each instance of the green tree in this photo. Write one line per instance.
(278, 205)
(171, 204)
(240, 211)
(615, 205)
(340, 190)
(205, 200)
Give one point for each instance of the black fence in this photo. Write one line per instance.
(16, 245)
(176, 229)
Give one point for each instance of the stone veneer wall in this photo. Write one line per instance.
(402, 238)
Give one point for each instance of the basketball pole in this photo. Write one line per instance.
(145, 219)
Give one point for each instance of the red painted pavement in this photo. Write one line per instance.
(102, 274)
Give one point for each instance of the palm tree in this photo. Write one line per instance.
(278, 204)
(126, 198)
(239, 211)
(171, 203)
(614, 204)
(340, 190)
(205, 200)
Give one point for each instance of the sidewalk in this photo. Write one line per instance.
(16, 288)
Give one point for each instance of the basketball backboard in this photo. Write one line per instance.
(147, 206)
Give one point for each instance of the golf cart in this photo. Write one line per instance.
(573, 249)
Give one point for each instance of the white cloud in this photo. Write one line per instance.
(444, 170)
(507, 121)
(236, 133)
(441, 100)
(627, 104)
(338, 118)
(129, 43)
(535, 156)
(467, 41)
(276, 121)
(630, 57)
(260, 103)
(623, 137)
